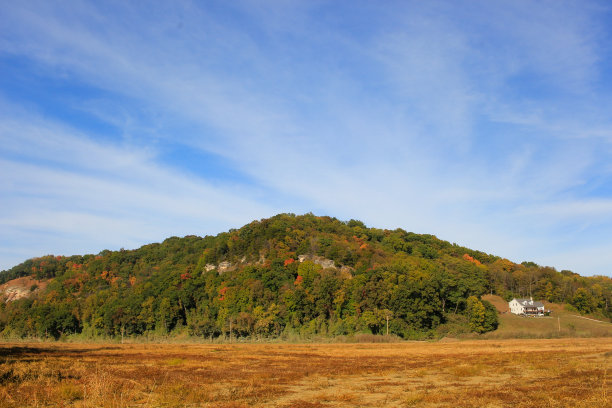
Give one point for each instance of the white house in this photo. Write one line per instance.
(526, 307)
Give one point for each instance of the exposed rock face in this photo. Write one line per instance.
(20, 288)
(319, 260)
(225, 266)
(15, 293)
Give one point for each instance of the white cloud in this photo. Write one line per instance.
(70, 194)
(425, 119)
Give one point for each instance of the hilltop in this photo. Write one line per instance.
(283, 276)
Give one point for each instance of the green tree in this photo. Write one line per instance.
(164, 315)
(147, 314)
(490, 318)
(583, 301)
(476, 314)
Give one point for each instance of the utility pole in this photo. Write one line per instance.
(387, 324)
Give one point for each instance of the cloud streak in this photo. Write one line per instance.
(476, 123)
(64, 193)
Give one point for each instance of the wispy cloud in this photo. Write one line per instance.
(474, 122)
(65, 193)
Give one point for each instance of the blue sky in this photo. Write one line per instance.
(488, 124)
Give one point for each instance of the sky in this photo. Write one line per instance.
(487, 124)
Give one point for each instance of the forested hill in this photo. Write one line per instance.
(301, 275)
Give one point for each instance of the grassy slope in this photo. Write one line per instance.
(570, 323)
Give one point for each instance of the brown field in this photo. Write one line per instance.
(483, 373)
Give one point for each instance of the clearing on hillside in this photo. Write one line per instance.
(561, 323)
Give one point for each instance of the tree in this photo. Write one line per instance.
(583, 301)
(490, 318)
(549, 292)
(201, 323)
(164, 315)
(146, 316)
(372, 321)
(476, 314)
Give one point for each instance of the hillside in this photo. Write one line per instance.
(560, 323)
(283, 276)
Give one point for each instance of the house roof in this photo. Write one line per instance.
(530, 303)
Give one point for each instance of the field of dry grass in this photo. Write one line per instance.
(486, 373)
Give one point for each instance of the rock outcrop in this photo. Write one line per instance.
(319, 260)
(225, 266)
(20, 288)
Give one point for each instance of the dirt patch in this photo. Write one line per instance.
(21, 288)
(500, 304)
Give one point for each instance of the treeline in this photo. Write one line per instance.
(251, 282)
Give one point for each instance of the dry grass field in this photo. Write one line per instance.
(484, 373)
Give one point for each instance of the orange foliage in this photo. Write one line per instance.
(77, 281)
(298, 280)
(132, 280)
(471, 259)
(358, 240)
(289, 261)
(222, 293)
(363, 246)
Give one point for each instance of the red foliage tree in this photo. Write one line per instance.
(222, 293)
